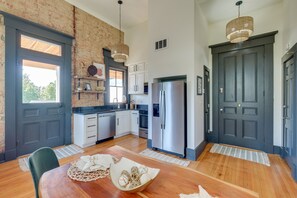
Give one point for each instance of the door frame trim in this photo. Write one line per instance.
(12, 25)
(291, 54)
(266, 40)
(205, 68)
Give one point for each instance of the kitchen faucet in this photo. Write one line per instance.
(116, 101)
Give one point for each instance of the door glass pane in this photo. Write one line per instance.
(40, 45)
(40, 82)
(112, 77)
(119, 78)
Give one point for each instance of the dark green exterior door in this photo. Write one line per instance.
(241, 97)
(40, 100)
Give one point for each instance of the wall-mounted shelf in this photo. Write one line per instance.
(87, 78)
(78, 84)
(89, 92)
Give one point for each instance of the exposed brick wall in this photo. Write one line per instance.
(56, 14)
(91, 35)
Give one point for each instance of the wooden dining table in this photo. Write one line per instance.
(171, 181)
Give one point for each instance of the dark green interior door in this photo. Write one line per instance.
(40, 99)
(288, 111)
(241, 98)
(206, 101)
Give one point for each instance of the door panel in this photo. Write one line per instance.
(230, 84)
(157, 135)
(241, 98)
(249, 86)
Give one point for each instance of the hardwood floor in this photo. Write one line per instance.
(273, 181)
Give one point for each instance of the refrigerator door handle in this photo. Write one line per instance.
(164, 109)
(161, 108)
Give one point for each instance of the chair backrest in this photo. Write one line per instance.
(40, 161)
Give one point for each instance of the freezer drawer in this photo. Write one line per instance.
(106, 125)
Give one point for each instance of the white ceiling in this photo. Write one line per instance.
(217, 10)
(136, 11)
(133, 11)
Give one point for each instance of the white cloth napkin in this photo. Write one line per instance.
(95, 162)
(202, 194)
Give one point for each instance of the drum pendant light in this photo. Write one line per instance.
(120, 51)
(241, 28)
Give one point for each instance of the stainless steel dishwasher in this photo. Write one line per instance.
(106, 125)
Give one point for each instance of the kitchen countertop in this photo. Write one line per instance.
(99, 111)
(105, 109)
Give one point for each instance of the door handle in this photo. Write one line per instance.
(118, 121)
(164, 110)
(221, 90)
(137, 121)
(161, 108)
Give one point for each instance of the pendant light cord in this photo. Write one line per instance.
(238, 3)
(120, 19)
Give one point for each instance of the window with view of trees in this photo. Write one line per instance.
(116, 86)
(40, 82)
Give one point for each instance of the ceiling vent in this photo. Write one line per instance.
(161, 44)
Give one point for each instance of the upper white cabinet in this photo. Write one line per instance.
(136, 83)
(136, 78)
(140, 67)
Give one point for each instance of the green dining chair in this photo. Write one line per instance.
(40, 161)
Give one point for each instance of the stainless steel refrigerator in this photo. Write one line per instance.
(169, 116)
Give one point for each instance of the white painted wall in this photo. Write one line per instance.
(137, 40)
(173, 20)
(201, 59)
(186, 29)
(266, 20)
(290, 27)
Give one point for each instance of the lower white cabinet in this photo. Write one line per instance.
(85, 130)
(134, 117)
(122, 123)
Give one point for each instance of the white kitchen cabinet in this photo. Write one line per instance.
(134, 122)
(136, 78)
(85, 130)
(136, 83)
(122, 123)
(139, 67)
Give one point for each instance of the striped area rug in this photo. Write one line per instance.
(165, 158)
(61, 152)
(253, 156)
